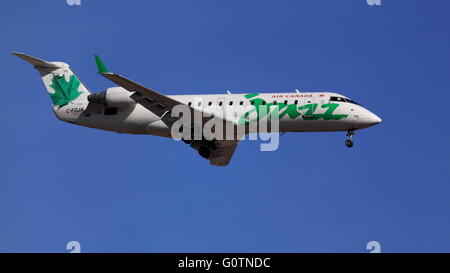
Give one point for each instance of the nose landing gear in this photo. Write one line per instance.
(349, 142)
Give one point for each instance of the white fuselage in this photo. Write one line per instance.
(298, 112)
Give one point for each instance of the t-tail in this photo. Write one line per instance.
(67, 92)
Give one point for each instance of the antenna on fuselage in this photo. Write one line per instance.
(228, 92)
(296, 90)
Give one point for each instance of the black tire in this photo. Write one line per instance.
(204, 151)
(349, 143)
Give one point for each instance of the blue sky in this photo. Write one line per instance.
(125, 193)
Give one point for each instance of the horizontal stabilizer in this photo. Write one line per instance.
(35, 61)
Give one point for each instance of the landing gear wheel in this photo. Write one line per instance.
(349, 143)
(204, 151)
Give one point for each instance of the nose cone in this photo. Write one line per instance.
(375, 119)
(365, 119)
(371, 119)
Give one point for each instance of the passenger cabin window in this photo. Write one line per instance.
(210, 103)
(296, 101)
(220, 103)
(199, 104)
(110, 111)
(189, 103)
(231, 103)
(241, 103)
(252, 103)
(285, 102)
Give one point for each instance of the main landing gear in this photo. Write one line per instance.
(206, 149)
(349, 142)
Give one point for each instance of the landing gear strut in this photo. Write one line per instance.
(349, 142)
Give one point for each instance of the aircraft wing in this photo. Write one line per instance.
(161, 105)
(150, 99)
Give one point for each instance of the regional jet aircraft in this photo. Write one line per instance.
(135, 109)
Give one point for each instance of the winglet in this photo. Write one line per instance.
(100, 65)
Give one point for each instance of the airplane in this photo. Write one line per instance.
(135, 109)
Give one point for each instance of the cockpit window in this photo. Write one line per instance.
(351, 101)
(336, 99)
(343, 100)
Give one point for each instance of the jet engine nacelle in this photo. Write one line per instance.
(114, 97)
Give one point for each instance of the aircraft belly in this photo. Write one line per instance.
(131, 121)
(158, 128)
(300, 125)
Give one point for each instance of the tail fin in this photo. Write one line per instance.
(64, 87)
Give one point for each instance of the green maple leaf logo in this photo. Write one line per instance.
(65, 92)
